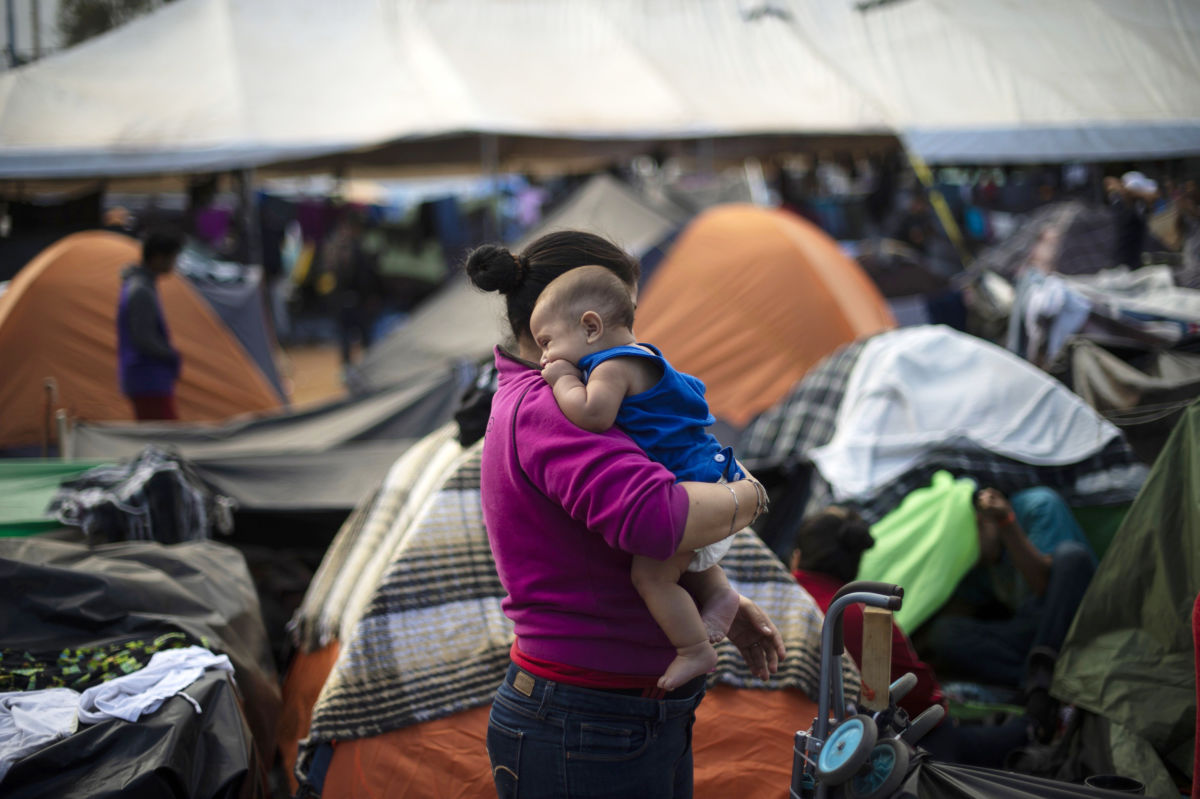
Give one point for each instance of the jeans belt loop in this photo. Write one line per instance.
(547, 697)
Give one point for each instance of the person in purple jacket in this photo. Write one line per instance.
(149, 365)
(579, 712)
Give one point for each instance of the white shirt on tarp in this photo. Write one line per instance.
(144, 691)
(30, 720)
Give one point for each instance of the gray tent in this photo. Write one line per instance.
(460, 322)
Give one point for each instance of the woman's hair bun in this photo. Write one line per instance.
(494, 268)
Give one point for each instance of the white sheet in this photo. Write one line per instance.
(30, 720)
(918, 388)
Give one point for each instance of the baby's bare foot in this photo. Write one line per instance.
(690, 661)
(718, 613)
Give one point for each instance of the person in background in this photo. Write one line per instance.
(357, 289)
(149, 365)
(1035, 565)
(1130, 198)
(828, 550)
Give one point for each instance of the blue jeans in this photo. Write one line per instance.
(996, 651)
(562, 741)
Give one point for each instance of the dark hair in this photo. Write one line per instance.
(161, 242)
(522, 278)
(832, 542)
(590, 288)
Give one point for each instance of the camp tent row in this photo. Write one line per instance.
(205, 85)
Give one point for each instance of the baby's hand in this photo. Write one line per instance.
(558, 369)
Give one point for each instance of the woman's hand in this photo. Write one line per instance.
(756, 637)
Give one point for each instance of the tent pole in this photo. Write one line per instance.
(35, 13)
(248, 210)
(11, 19)
(489, 157)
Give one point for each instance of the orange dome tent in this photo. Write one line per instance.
(749, 299)
(58, 320)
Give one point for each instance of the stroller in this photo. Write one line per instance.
(875, 756)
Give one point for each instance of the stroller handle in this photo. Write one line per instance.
(871, 587)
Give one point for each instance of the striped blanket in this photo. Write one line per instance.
(432, 641)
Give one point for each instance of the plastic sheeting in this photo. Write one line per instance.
(1129, 655)
(322, 459)
(75, 596)
(923, 387)
(174, 753)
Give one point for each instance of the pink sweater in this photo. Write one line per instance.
(565, 511)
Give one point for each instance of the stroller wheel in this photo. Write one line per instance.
(846, 749)
(885, 771)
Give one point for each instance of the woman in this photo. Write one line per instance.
(566, 510)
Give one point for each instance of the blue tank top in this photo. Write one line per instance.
(668, 420)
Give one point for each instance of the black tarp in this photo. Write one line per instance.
(61, 594)
(945, 781)
(319, 460)
(173, 753)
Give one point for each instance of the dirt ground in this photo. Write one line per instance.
(312, 373)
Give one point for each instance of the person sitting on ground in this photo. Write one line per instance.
(601, 376)
(1037, 563)
(828, 550)
(149, 365)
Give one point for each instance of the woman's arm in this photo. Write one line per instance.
(714, 514)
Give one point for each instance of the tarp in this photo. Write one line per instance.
(966, 81)
(173, 753)
(407, 70)
(75, 596)
(1020, 81)
(26, 487)
(460, 322)
(741, 743)
(929, 387)
(781, 441)
(936, 780)
(749, 299)
(58, 320)
(1129, 654)
(237, 295)
(927, 545)
(1145, 397)
(323, 458)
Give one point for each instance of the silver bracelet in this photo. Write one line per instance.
(763, 502)
(736, 507)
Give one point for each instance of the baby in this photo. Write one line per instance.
(583, 321)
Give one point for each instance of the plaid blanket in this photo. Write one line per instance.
(783, 436)
(433, 640)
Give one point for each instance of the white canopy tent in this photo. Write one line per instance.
(204, 85)
(209, 84)
(1010, 81)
